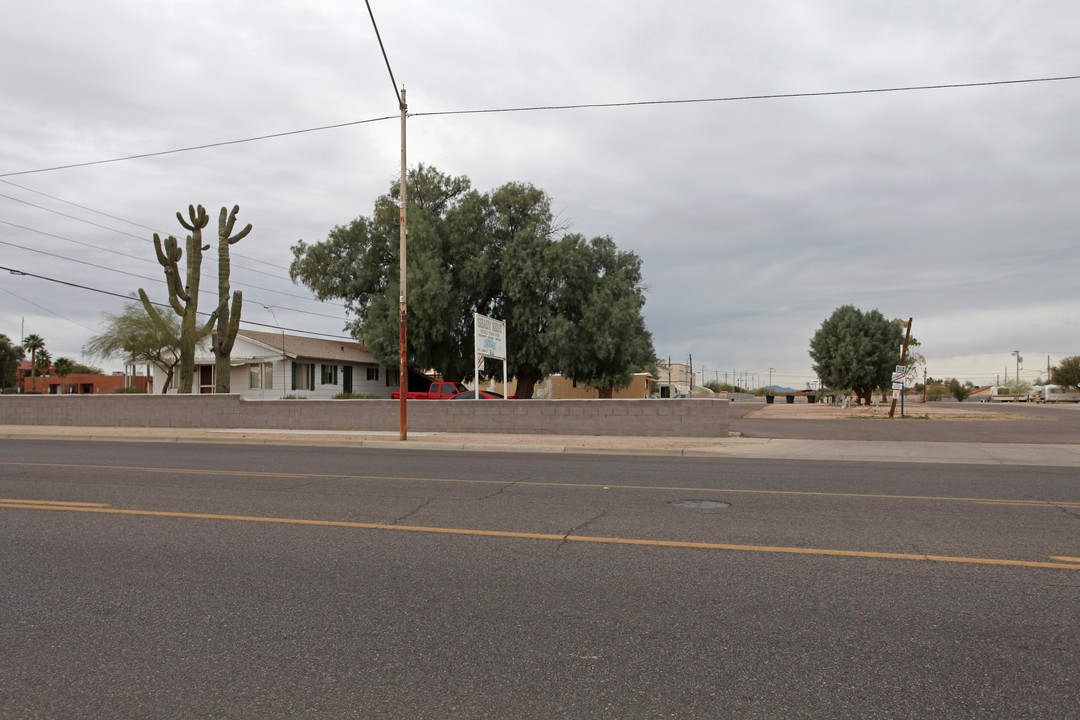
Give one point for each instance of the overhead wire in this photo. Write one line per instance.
(401, 103)
(15, 271)
(738, 98)
(205, 146)
(209, 276)
(42, 307)
(120, 219)
(536, 108)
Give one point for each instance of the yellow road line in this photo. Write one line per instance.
(53, 502)
(1030, 503)
(538, 483)
(557, 537)
(1062, 558)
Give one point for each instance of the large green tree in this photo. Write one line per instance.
(134, 336)
(447, 252)
(1067, 373)
(496, 254)
(10, 355)
(599, 336)
(856, 350)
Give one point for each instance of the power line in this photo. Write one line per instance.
(114, 217)
(82, 262)
(401, 103)
(535, 108)
(198, 147)
(738, 98)
(42, 307)
(209, 276)
(13, 271)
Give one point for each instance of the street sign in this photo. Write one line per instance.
(899, 377)
(895, 394)
(900, 369)
(898, 386)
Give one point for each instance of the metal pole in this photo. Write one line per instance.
(403, 369)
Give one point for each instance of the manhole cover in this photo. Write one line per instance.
(700, 504)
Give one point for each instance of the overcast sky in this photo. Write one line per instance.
(755, 218)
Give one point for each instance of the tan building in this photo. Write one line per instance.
(557, 387)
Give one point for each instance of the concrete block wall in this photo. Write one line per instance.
(652, 418)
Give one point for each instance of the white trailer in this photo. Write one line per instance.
(1054, 394)
(997, 396)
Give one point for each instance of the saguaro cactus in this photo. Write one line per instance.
(228, 319)
(184, 299)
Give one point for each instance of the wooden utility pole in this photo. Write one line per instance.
(903, 359)
(403, 367)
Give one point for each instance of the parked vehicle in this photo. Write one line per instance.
(1054, 393)
(437, 391)
(482, 395)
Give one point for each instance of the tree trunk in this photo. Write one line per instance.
(526, 384)
(606, 392)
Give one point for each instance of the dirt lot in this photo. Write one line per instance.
(930, 411)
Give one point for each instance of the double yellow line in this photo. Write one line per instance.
(1060, 562)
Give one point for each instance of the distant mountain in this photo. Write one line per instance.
(777, 390)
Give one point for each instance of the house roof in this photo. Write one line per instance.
(312, 348)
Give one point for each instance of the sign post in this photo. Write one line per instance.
(901, 371)
(489, 341)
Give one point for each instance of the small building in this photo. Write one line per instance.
(673, 379)
(85, 384)
(557, 387)
(270, 365)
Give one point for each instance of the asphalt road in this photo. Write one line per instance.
(226, 581)
(1027, 423)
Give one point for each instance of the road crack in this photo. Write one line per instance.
(500, 491)
(578, 528)
(412, 512)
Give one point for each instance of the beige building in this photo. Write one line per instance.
(557, 387)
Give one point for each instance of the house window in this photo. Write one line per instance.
(372, 373)
(329, 374)
(393, 379)
(303, 376)
(261, 376)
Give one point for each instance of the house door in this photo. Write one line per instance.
(346, 378)
(206, 378)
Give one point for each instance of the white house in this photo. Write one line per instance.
(268, 366)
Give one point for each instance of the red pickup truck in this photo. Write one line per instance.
(437, 391)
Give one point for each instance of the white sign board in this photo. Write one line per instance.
(898, 386)
(895, 394)
(899, 377)
(489, 340)
(900, 370)
(489, 335)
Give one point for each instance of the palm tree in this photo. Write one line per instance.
(34, 343)
(63, 367)
(44, 362)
